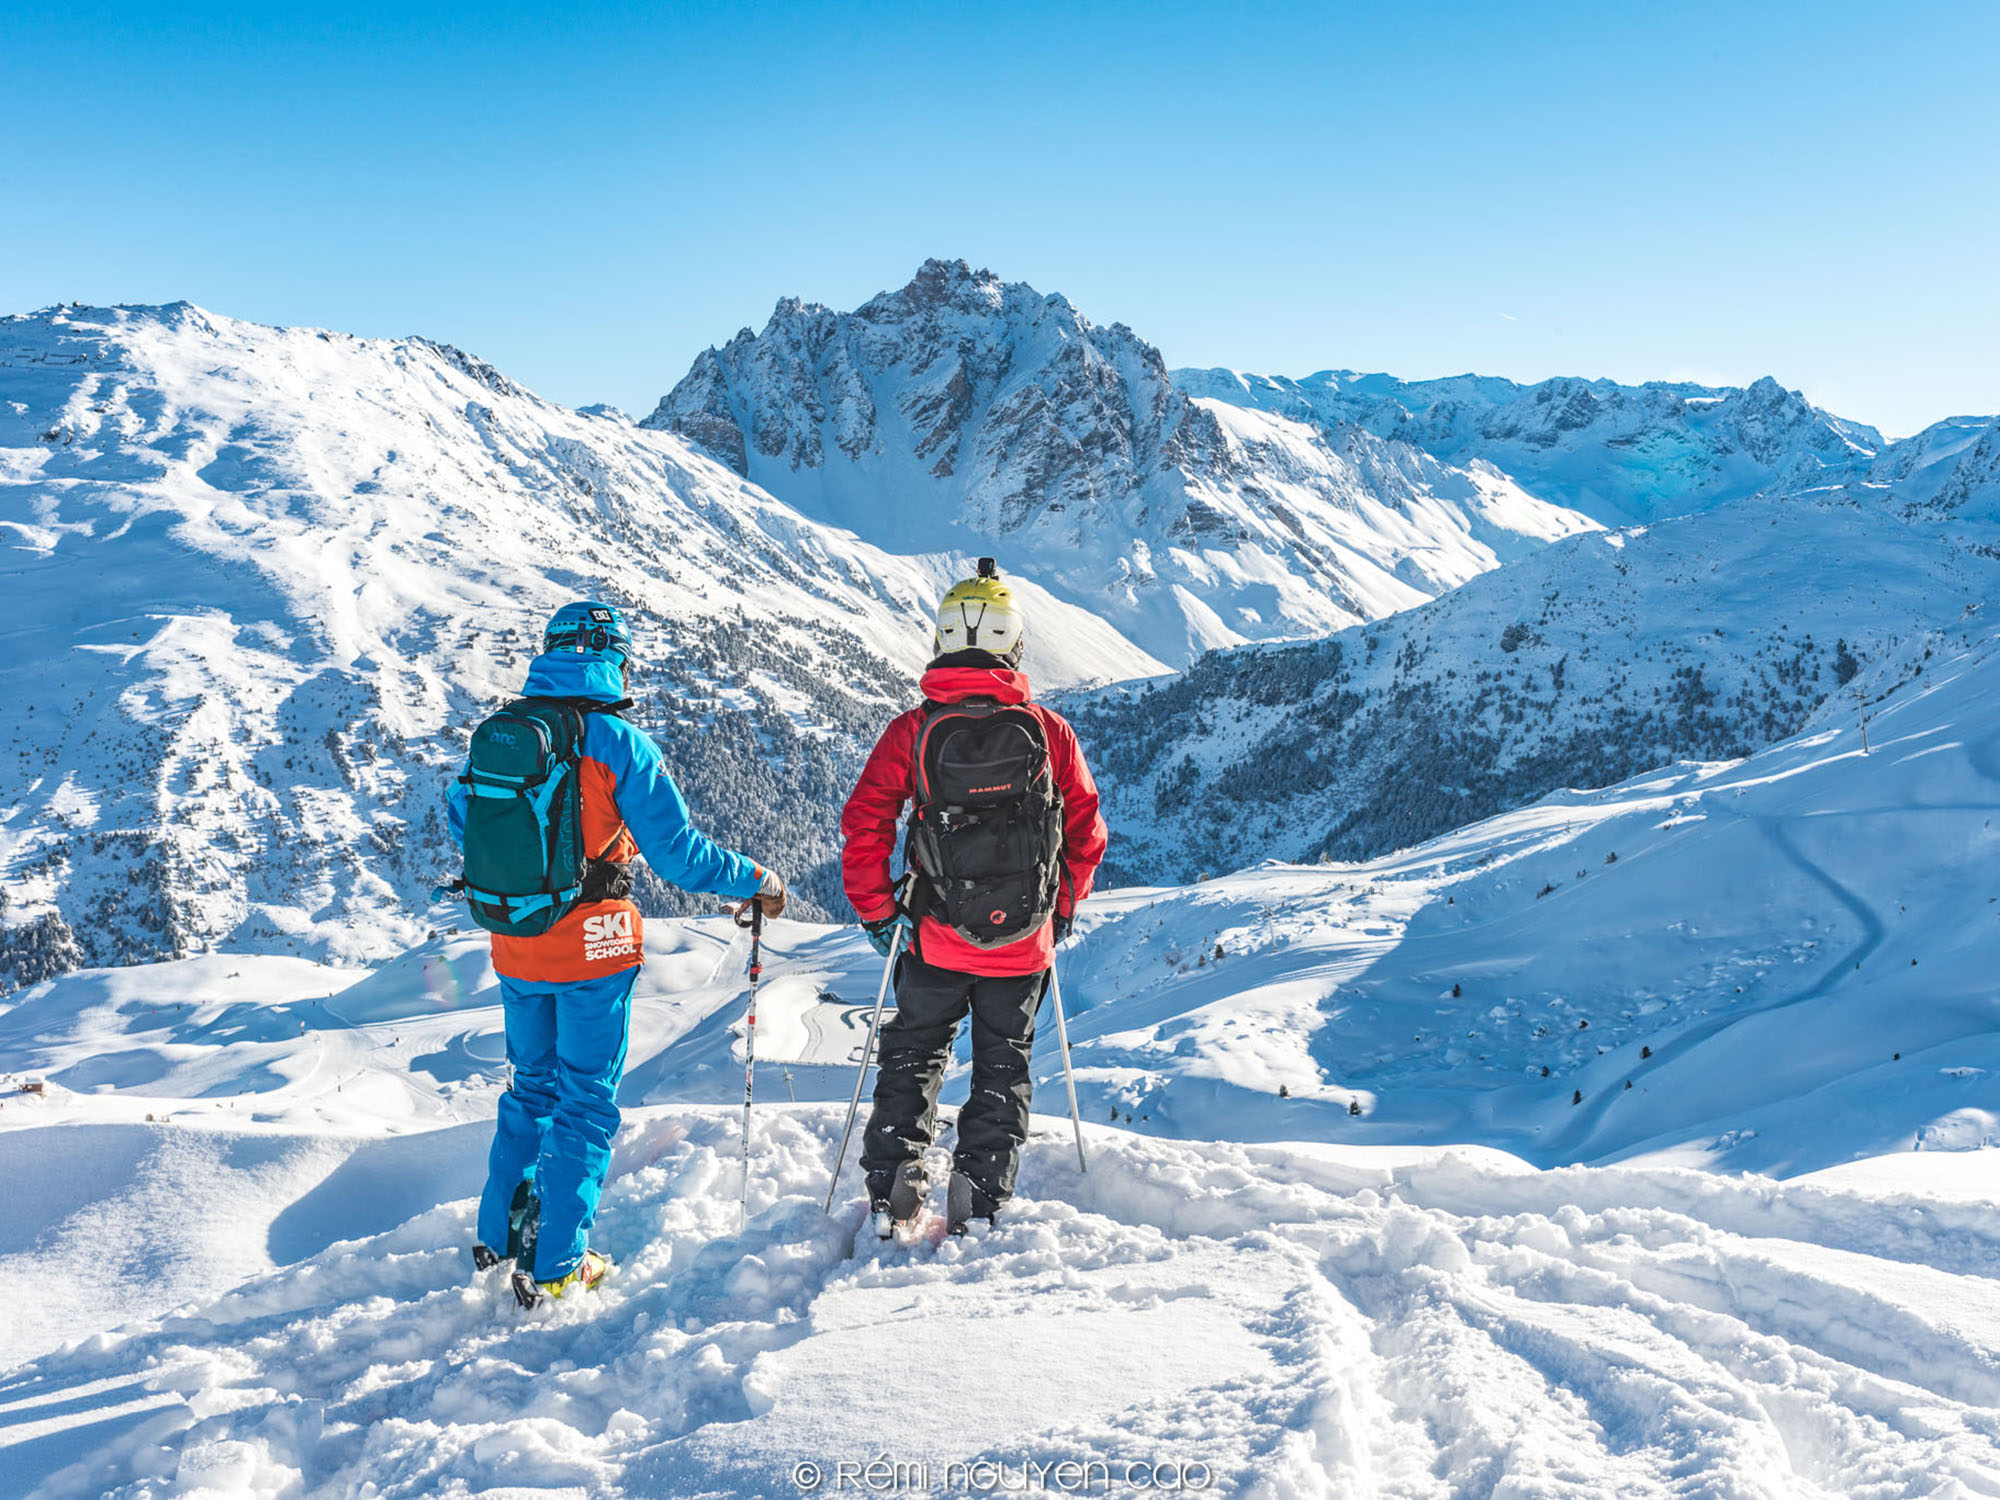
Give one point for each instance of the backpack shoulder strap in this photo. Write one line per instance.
(565, 713)
(935, 714)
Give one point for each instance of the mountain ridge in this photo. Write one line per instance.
(965, 411)
(1621, 454)
(263, 581)
(261, 578)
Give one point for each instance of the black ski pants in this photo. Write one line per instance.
(915, 1046)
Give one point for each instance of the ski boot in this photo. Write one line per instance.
(589, 1271)
(524, 1217)
(965, 1201)
(896, 1207)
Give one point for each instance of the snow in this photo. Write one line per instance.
(964, 413)
(1305, 1320)
(1615, 453)
(1641, 1140)
(1771, 1268)
(1598, 656)
(1798, 942)
(261, 578)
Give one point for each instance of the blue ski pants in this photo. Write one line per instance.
(567, 1044)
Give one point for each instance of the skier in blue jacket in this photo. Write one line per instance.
(567, 992)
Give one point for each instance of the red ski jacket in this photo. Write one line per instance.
(870, 821)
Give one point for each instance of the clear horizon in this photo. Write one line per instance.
(1660, 193)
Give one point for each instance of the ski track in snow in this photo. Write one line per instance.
(1305, 1320)
(1590, 1115)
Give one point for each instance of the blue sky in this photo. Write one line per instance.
(587, 198)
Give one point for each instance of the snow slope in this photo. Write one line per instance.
(1949, 473)
(964, 412)
(1788, 958)
(261, 582)
(1619, 454)
(1424, 1299)
(1305, 1321)
(1701, 637)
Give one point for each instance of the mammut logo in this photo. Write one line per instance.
(1005, 786)
(997, 918)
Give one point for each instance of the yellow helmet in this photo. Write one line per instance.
(980, 614)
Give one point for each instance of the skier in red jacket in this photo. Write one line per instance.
(1004, 838)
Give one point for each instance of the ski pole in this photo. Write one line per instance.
(1069, 1077)
(861, 1074)
(756, 926)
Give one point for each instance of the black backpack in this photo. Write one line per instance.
(986, 836)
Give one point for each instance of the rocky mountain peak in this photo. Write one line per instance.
(957, 370)
(963, 412)
(949, 284)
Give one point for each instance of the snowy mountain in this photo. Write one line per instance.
(1619, 454)
(1703, 637)
(1331, 1242)
(1788, 956)
(966, 413)
(262, 582)
(1949, 472)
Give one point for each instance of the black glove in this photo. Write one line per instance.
(883, 935)
(1064, 921)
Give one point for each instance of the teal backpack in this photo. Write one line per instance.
(524, 854)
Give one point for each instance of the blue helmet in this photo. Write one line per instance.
(589, 629)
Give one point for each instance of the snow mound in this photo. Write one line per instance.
(1617, 453)
(1700, 638)
(1295, 1320)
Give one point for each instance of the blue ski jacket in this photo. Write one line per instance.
(631, 807)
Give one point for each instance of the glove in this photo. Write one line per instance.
(1064, 921)
(885, 934)
(771, 894)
